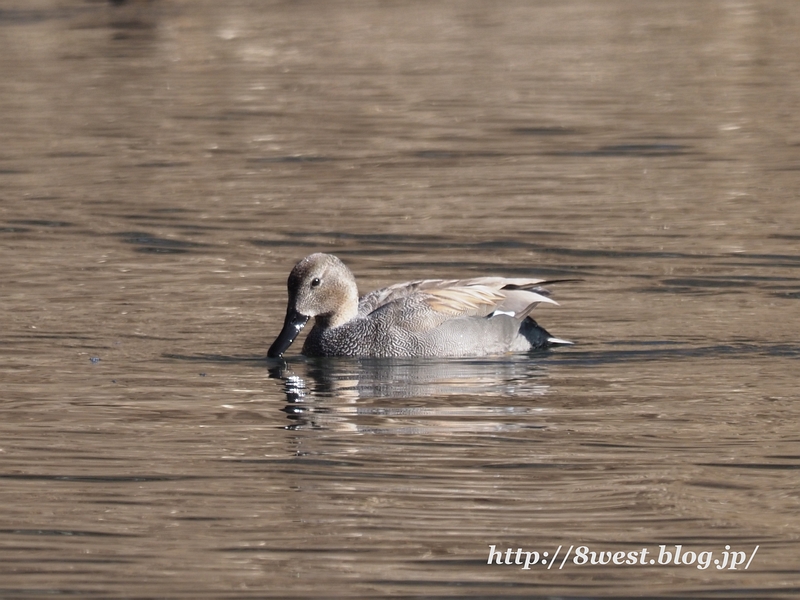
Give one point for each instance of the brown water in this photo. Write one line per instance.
(165, 163)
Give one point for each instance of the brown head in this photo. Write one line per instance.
(320, 286)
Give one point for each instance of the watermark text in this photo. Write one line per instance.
(579, 556)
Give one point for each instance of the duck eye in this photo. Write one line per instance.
(315, 282)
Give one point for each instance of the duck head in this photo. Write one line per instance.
(320, 286)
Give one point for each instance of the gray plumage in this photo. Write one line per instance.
(433, 317)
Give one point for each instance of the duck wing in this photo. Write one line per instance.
(442, 299)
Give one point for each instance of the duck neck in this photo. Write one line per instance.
(345, 312)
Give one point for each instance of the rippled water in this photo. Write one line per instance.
(165, 163)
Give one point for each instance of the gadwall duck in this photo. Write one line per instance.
(430, 317)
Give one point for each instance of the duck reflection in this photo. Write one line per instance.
(346, 393)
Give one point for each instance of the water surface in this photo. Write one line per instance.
(166, 163)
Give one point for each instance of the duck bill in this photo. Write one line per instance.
(293, 324)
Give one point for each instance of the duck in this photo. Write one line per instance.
(482, 316)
